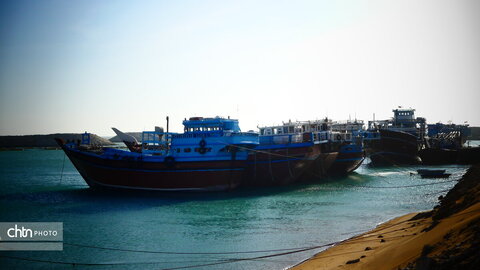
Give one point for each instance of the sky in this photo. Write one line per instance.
(75, 66)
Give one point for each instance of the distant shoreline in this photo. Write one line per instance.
(13, 142)
(28, 148)
(46, 141)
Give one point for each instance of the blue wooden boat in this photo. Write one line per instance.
(335, 144)
(210, 155)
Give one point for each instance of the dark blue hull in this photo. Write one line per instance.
(393, 148)
(348, 159)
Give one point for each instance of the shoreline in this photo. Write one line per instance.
(417, 240)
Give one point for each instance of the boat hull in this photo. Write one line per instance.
(431, 156)
(393, 148)
(320, 167)
(434, 156)
(135, 173)
(280, 165)
(441, 175)
(348, 159)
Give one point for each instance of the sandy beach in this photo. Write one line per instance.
(444, 238)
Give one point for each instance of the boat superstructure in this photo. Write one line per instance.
(339, 144)
(447, 136)
(403, 120)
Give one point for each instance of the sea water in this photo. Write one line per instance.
(242, 229)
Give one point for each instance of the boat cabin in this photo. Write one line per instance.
(200, 124)
(205, 137)
(404, 117)
(403, 120)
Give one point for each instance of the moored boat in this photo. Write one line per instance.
(280, 159)
(399, 140)
(445, 145)
(393, 148)
(429, 173)
(438, 156)
(350, 157)
(351, 152)
(339, 152)
(210, 155)
(342, 139)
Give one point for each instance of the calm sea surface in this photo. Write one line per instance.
(228, 224)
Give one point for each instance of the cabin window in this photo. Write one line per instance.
(187, 150)
(178, 150)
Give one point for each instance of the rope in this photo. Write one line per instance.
(406, 186)
(92, 264)
(63, 166)
(259, 151)
(438, 192)
(185, 253)
(353, 240)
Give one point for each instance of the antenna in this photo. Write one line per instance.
(167, 123)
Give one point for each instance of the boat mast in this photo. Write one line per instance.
(167, 124)
(167, 137)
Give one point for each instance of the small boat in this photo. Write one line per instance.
(427, 173)
(210, 155)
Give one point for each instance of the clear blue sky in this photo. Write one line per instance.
(71, 66)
